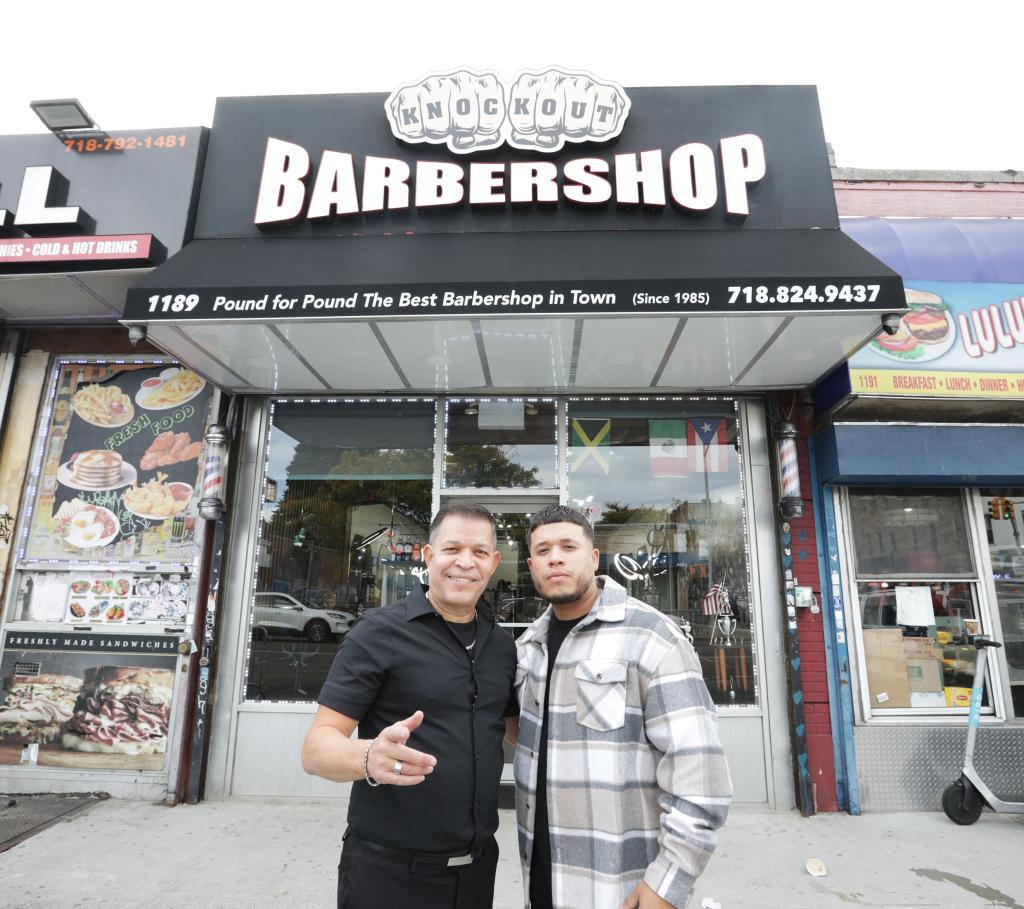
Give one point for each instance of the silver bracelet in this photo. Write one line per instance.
(366, 766)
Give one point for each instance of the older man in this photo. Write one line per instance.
(621, 780)
(428, 681)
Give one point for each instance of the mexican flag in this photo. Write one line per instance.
(670, 455)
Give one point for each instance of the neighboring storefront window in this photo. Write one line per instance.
(500, 444)
(661, 480)
(105, 555)
(917, 589)
(347, 508)
(1004, 519)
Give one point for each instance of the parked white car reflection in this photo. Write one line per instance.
(278, 615)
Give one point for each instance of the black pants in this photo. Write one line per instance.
(370, 880)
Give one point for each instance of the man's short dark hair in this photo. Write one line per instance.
(469, 510)
(561, 514)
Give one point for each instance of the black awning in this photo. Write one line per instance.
(544, 273)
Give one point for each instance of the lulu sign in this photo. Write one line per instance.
(956, 341)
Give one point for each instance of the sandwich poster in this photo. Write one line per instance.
(122, 465)
(90, 701)
(957, 340)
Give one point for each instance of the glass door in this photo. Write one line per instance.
(510, 590)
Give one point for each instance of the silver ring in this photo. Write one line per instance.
(398, 768)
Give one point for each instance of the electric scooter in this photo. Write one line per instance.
(964, 798)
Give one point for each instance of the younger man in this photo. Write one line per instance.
(621, 780)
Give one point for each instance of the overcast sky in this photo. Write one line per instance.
(902, 83)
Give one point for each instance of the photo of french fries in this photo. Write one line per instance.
(178, 389)
(103, 405)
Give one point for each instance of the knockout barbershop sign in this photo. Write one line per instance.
(538, 112)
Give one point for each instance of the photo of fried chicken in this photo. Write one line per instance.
(170, 448)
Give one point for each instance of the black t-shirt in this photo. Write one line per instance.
(540, 863)
(404, 658)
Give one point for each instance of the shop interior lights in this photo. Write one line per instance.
(791, 504)
(211, 505)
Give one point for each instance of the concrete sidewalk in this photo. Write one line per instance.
(254, 854)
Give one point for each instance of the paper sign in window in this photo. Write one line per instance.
(914, 606)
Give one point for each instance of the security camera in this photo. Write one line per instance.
(136, 334)
(891, 322)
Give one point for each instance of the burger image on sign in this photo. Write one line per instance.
(924, 333)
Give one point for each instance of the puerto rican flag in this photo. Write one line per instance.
(711, 438)
(681, 447)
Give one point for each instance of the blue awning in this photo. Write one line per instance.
(981, 250)
(880, 454)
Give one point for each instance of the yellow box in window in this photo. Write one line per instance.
(958, 697)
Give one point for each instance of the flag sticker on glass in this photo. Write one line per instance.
(591, 440)
(711, 433)
(670, 456)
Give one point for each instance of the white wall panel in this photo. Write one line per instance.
(267, 758)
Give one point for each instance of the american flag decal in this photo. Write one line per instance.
(716, 600)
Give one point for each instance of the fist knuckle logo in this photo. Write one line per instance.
(467, 110)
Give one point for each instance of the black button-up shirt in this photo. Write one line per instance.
(404, 658)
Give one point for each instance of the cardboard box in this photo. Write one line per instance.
(921, 649)
(924, 675)
(888, 684)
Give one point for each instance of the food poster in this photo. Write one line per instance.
(957, 341)
(103, 598)
(122, 465)
(85, 700)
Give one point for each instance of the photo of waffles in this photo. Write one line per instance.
(103, 405)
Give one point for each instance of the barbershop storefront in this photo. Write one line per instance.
(544, 290)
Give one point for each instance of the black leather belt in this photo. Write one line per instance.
(427, 858)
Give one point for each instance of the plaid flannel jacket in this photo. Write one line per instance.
(637, 781)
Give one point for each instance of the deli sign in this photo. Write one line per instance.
(537, 112)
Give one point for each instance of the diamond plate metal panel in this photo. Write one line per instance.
(903, 768)
(23, 815)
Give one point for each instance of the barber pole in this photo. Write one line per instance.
(213, 476)
(790, 473)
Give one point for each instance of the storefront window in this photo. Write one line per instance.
(500, 444)
(346, 515)
(121, 464)
(105, 550)
(918, 593)
(661, 481)
(915, 533)
(1004, 518)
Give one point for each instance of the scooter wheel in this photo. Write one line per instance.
(962, 803)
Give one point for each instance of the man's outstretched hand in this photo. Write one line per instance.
(390, 748)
